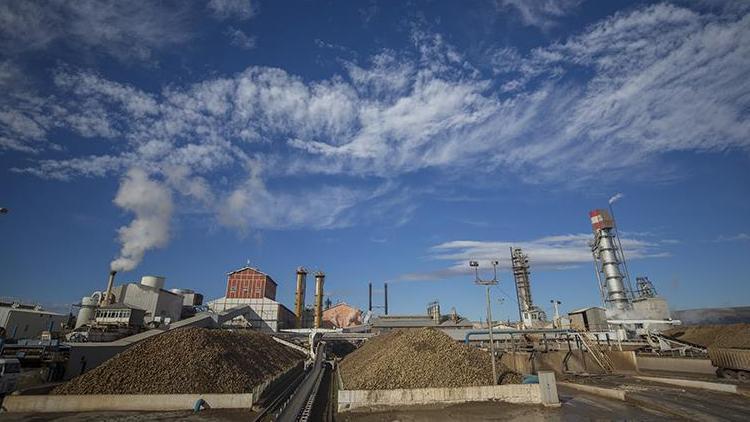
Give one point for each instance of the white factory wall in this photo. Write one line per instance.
(29, 323)
(651, 308)
(268, 315)
(156, 302)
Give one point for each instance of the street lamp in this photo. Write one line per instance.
(488, 284)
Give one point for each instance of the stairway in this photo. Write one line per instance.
(596, 352)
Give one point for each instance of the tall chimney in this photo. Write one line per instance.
(108, 299)
(319, 280)
(369, 297)
(299, 299)
(385, 288)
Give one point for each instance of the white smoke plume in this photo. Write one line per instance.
(151, 202)
(616, 198)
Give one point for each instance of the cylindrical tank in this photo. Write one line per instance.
(87, 311)
(319, 280)
(154, 281)
(299, 299)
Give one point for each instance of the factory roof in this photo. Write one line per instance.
(578, 311)
(245, 268)
(462, 322)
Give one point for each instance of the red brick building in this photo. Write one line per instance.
(250, 283)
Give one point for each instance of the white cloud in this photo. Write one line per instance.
(540, 13)
(239, 39)
(615, 97)
(739, 237)
(232, 9)
(122, 29)
(557, 252)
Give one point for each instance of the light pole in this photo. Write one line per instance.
(556, 322)
(488, 284)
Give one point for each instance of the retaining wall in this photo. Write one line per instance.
(579, 361)
(140, 402)
(695, 366)
(544, 393)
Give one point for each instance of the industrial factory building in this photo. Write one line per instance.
(28, 321)
(252, 287)
(160, 305)
(341, 315)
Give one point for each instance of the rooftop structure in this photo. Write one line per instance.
(250, 283)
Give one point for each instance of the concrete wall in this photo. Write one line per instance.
(579, 361)
(695, 366)
(129, 402)
(511, 393)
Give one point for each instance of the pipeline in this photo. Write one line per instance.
(511, 332)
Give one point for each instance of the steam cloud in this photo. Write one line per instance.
(151, 202)
(616, 198)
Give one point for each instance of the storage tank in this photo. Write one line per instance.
(87, 311)
(154, 281)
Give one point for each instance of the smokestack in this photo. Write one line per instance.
(108, 299)
(299, 299)
(385, 288)
(319, 280)
(369, 297)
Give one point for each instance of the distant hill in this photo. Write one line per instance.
(740, 314)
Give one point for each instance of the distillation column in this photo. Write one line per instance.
(604, 249)
(520, 265)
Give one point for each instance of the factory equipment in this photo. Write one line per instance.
(88, 309)
(108, 297)
(531, 316)
(607, 258)
(433, 311)
(299, 299)
(319, 280)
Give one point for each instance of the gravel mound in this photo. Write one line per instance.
(188, 361)
(419, 358)
(732, 335)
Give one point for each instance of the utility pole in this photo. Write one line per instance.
(488, 283)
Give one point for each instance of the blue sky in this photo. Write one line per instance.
(377, 141)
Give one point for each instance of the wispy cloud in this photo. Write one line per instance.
(540, 13)
(233, 9)
(125, 30)
(240, 39)
(557, 252)
(739, 237)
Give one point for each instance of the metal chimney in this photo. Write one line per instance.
(385, 290)
(299, 298)
(319, 280)
(605, 252)
(107, 298)
(369, 296)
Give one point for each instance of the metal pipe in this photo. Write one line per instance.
(492, 341)
(299, 299)
(319, 280)
(511, 332)
(385, 289)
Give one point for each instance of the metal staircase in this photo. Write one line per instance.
(596, 352)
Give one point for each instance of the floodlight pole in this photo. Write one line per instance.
(488, 283)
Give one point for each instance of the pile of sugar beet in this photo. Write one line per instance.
(419, 358)
(189, 360)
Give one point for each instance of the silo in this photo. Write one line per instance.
(87, 311)
(155, 281)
